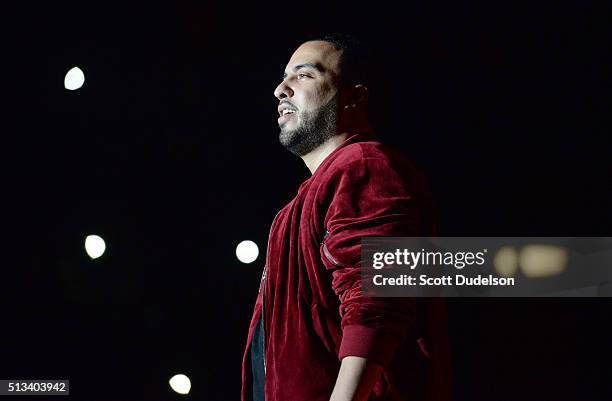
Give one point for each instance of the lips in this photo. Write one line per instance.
(285, 117)
(285, 112)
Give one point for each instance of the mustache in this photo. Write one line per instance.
(287, 102)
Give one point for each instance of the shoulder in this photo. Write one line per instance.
(363, 171)
(359, 151)
(369, 157)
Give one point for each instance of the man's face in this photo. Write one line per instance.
(308, 97)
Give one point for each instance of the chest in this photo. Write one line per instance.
(294, 248)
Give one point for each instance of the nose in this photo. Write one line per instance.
(283, 90)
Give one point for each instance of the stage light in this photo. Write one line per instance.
(180, 383)
(74, 79)
(247, 251)
(543, 260)
(506, 261)
(94, 246)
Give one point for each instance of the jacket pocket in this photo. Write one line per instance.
(326, 253)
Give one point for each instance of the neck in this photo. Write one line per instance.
(314, 159)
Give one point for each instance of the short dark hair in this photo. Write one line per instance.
(361, 63)
(356, 62)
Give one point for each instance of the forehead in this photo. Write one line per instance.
(324, 55)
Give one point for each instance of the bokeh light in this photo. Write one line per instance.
(74, 79)
(180, 383)
(94, 246)
(247, 251)
(543, 260)
(506, 261)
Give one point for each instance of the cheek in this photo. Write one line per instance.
(325, 94)
(316, 98)
(312, 97)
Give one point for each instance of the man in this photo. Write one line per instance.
(313, 335)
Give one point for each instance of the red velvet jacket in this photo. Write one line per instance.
(314, 312)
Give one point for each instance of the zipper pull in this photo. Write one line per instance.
(263, 277)
(325, 236)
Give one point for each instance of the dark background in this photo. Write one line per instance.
(170, 153)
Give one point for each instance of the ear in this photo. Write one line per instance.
(361, 93)
(358, 96)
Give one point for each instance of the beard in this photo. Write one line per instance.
(315, 127)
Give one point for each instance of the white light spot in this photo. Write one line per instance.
(543, 260)
(94, 246)
(506, 261)
(180, 383)
(247, 251)
(74, 79)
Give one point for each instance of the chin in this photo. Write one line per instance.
(284, 133)
(286, 126)
(286, 136)
(286, 129)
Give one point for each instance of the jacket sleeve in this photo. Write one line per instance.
(370, 198)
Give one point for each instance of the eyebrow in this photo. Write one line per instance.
(306, 65)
